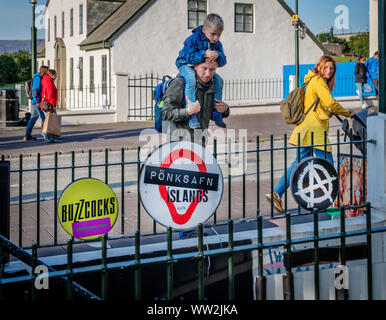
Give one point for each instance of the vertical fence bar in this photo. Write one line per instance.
(285, 174)
(231, 291)
(338, 163)
(38, 199)
(56, 198)
(73, 166)
(34, 294)
(89, 162)
(298, 158)
(200, 263)
(288, 280)
(20, 200)
(271, 184)
(69, 270)
(369, 253)
(257, 175)
(138, 197)
(316, 253)
(351, 168)
(244, 165)
(260, 281)
(342, 294)
(137, 272)
(169, 265)
(229, 180)
(122, 191)
(364, 157)
(104, 267)
(215, 156)
(106, 166)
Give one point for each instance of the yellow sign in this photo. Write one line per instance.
(87, 209)
(295, 18)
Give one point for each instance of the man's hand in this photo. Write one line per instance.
(221, 106)
(193, 107)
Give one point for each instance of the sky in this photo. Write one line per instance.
(318, 15)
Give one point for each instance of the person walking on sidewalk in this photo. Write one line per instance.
(49, 97)
(36, 111)
(322, 82)
(372, 66)
(361, 80)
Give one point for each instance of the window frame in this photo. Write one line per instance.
(81, 74)
(104, 73)
(71, 22)
(81, 13)
(71, 73)
(243, 15)
(63, 21)
(92, 74)
(196, 11)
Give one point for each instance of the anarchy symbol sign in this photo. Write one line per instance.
(314, 183)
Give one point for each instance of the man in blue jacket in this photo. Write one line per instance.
(36, 111)
(372, 67)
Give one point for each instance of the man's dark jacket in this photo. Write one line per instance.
(174, 106)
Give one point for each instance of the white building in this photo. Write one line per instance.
(92, 43)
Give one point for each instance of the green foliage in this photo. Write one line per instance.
(8, 69)
(15, 67)
(23, 60)
(359, 45)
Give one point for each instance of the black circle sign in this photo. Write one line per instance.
(314, 183)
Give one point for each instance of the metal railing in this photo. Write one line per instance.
(264, 155)
(97, 97)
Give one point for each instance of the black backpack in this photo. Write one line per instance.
(28, 88)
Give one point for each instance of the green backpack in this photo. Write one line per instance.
(292, 108)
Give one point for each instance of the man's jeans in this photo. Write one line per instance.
(36, 111)
(304, 153)
(367, 88)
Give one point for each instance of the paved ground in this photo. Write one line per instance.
(117, 135)
(114, 137)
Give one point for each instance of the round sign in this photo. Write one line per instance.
(314, 183)
(87, 209)
(181, 185)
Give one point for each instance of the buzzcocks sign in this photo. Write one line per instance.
(181, 185)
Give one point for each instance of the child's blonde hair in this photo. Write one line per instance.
(214, 21)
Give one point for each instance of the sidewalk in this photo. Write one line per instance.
(115, 136)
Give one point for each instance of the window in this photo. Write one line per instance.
(81, 19)
(92, 84)
(71, 73)
(196, 13)
(62, 24)
(243, 17)
(104, 74)
(55, 28)
(71, 22)
(80, 74)
(48, 64)
(48, 30)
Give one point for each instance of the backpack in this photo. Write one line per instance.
(159, 97)
(292, 108)
(28, 88)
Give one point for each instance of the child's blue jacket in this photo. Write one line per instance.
(195, 47)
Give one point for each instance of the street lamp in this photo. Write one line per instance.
(33, 39)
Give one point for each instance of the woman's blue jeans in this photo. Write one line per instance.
(189, 75)
(305, 152)
(363, 87)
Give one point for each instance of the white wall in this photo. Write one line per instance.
(152, 42)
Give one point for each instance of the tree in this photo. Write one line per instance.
(23, 61)
(359, 44)
(8, 69)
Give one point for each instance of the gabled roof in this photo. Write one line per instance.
(102, 36)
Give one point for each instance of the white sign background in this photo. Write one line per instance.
(176, 214)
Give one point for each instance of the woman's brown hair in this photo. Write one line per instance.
(319, 67)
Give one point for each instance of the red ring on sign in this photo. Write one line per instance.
(166, 163)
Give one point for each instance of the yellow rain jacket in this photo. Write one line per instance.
(317, 121)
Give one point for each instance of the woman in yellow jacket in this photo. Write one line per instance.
(321, 84)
